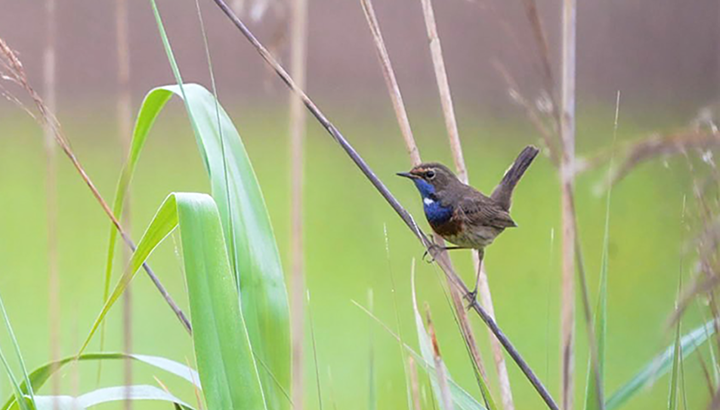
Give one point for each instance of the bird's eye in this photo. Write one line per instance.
(430, 174)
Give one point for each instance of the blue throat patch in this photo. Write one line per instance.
(435, 213)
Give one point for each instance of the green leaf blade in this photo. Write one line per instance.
(108, 395)
(249, 237)
(660, 365)
(42, 374)
(222, 344)
(224, 356)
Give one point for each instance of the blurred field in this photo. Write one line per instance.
(346, 251)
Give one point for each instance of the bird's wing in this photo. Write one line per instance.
(483, 211)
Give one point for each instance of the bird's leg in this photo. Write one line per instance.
(472, 296)
(435, 248)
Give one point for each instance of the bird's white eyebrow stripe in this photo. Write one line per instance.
(428, 201)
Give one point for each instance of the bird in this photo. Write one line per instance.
(461, 214)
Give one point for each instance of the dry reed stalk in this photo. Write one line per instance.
(532, 113)
(444, 89)
(567, 136)
(440, 257)
(715, 402)
(563, 156)
(459, 160)
(531, 10)
(124, 118)
(12, 70)
(297, 141)
(391, 82)
(442, 378)
(635, 153)
(415, 159)
(51, 194)
(414, 385)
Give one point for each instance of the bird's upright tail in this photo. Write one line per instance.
(503, 192)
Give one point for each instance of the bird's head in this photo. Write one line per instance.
(431, 177)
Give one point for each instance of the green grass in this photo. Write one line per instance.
(346, 251)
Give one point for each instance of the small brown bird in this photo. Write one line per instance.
(463, 215)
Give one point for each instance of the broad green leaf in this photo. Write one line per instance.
(460, 398)
(222, 347)
(42, 374)
(250, 241)
(107, 395)
(660, 365)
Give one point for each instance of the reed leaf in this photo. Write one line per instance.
(224, 357)
(25, 405)
(460, 398)
(660, 365)
(675, 373)
(108, 395)
(249, 238)
(17, 393)
(677, 352)
(42, 374)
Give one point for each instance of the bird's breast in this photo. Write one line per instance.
(441, 218)
(435, 212)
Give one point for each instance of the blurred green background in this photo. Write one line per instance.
(346, 251)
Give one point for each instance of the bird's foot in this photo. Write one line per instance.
(431, 251)
(472, 298)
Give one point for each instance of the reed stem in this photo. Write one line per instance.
(297, 160)
(567, 164)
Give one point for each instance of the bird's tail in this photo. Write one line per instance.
(503, 192)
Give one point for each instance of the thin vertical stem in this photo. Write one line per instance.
(444, 89)
(391, 82)
(414, 153)
(297, 159)
(51, 202)
(441, 372)
(459, 160)
(315, 355)
(567, 131)
(414, 385)
(124, 118)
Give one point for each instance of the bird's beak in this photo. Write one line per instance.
(406, 175)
